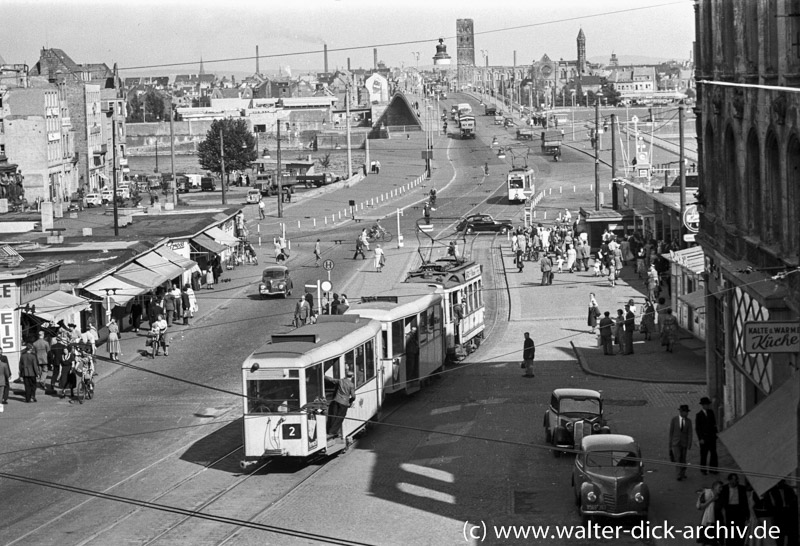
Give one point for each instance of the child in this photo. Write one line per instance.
(560, 263)
(597, 268)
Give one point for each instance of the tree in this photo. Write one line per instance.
(154, 106)
(238, 141)
(610, 94)
(134, 109)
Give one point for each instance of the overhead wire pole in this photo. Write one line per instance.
(681, 161)
(597, 151)
(278, 176)
(114, 166)
(172, 155)
(222, 162)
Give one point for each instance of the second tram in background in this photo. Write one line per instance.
(391, 342)
(521, 184)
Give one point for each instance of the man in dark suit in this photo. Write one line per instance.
(630, 326)
(706, 425)
(733, 500)
(29, 372)
(5, 377)
(55, 356)
(606, 333)
(680, 439)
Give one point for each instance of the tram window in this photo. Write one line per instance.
(472, 302)
(398, 338)
(423, 326)
(431, 320)
(369, 350)
(385, 342)
(437, 318)
(314, 384)
(332, 371)
(479, 285)
(273, 395)
(361, 366)
(350, 361)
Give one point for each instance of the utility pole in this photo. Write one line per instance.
(349, 149)
(613, 146)
(114, 166)
(596, 150)
(278, 174)
(172, 156)
(222, 163)
(682, 162)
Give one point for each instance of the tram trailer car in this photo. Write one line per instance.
(286, 395)
(461, 285)
(399, 311)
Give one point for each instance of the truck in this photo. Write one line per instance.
(317, 179)
(551, 141)
(466, 124)
(489, 110)
(464, 108)
(525, 133)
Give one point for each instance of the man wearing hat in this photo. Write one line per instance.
(29, 372)
(706, 424)
(680, 439)
(345, 396)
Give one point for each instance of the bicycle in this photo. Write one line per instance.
(380, 235)
(85, 386)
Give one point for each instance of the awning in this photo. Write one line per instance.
(160, 265)
(221, 237)
(125, 291)
(58, 305)
(764, 442)
(695, 300)
(139, 275)
(692, 259)
(184, 263)
(209, 244)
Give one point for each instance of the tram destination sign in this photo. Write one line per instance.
(771, 337)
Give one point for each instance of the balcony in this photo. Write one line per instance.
(102, 150)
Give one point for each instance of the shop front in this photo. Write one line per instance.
(30, 301)
(688, 292)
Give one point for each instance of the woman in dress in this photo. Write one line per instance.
(661, 310)
(669, 331)
(209, 278)
(572, 255)
(67, 379)
(112, 344)
(594, 312)
(379, 258)
(192, 302)
(648, 324)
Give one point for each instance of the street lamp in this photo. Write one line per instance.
(598, 96)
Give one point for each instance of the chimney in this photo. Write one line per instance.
(325, 54)
(375, 58)
(257, 70)
(348, 64)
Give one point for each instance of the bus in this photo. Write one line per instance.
(521, 184)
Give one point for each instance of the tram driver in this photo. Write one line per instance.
(344, 398)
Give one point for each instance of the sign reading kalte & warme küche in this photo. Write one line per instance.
(771, 337)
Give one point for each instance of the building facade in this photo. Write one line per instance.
(749, 147)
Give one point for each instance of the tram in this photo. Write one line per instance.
(285, 403)
(520, 184)
(461, 286)
(439, 306)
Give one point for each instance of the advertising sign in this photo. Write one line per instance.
(8, 331)
(691, 218)
(771, 337)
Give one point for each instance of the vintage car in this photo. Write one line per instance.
(572, 415)
(275, 280)
(483, 222)
(93, 200)
(608, 478)
(253, 196)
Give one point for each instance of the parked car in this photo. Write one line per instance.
(253, 195)
(483, 222)
(608, 478)
(93, 200)
(207, 183)
(573, 414)
(106, 196)
(275, 280)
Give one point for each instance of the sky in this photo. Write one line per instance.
(171, 36)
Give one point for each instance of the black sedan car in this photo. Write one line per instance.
(573, 414)
(483, 222)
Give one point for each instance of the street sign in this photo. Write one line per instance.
(771, 337)
(327, 265)
(635, 119)
(690, 237)
(691, 218)
(326, 286)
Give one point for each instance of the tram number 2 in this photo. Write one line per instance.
(291, 432)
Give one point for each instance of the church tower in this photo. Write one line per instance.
(465, 51)
(581, 53)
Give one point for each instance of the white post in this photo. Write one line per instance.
(315, 222)
(319, 298)
(399, 236)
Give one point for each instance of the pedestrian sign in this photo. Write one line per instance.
(327, 265)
